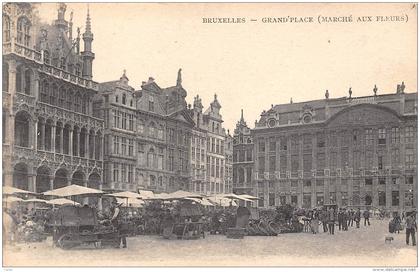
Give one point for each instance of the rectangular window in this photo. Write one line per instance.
(130, 147)
(249, 155)
(382, 180)
(395, 198)
(261, 146)
(261, 200)
(380, 162)
(124, 121)
(319, 182)
(261, 165)
(306, 201)
(116, 172)
(272, 164)
(369, 137)
(151, 104)
(116, 145)
(408, 198)
(130, 174)
(272, 146)
(409, 180)
(395, 156)
(293, 199)
(368, 181)
(382, 198)
(171, 162)
(381, 136)
(409, 134)
(395, 135)
(123, 173)
(307, 183)
(217, 168)
(409, 158)
(130, 122)
(294, 184)
(124, 146)
(271, 199)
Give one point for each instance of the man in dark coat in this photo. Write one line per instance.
(357, 217)
(366, 215)
(331, 220)
(411, 228)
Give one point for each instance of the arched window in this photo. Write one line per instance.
(45, 89)
(6, 28)
(77, 102)
(28, 76)
(116, 99)
(23, 31)
(85, 102)
(131, 103)
(69, 98)
(22, 126)
(124, 99)
(151, 158)
(61, 97)
(47, 58)
(53, 94)
(152, 180)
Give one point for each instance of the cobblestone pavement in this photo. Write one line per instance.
(357, 247)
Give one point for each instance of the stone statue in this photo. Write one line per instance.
(327, 94)
(291, 100)
(402, 87)
(375, 90)
(350, 92)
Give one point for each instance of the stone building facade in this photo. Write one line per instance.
(228, 163)
(163, 137)
(52, 135)
(350, 151)
(116, 103)
(243, 159)
(208, 149)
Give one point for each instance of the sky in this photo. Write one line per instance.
(254, 64)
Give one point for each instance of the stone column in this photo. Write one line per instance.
(32, 182)
(87, 145)
(101, 141)
(51, 182)
(71, 141)
(42, 135)
(77, 142)
(93, 145)
(35, 86)
(35, 140)
(53, 127)
(61, 139)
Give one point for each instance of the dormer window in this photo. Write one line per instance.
(23, 31)
(151, 104)
(123, 99)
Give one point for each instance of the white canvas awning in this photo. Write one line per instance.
(73, 190)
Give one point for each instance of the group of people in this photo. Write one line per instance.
(328, 216)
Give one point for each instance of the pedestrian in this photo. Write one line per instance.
(351, 218)
(357, 217)
(331, 220)
(397, 222)
(366, 214)
(324, 219)
(116, 221)
(346, 216)
(411, 228)
(315, 222)
(340, 219)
